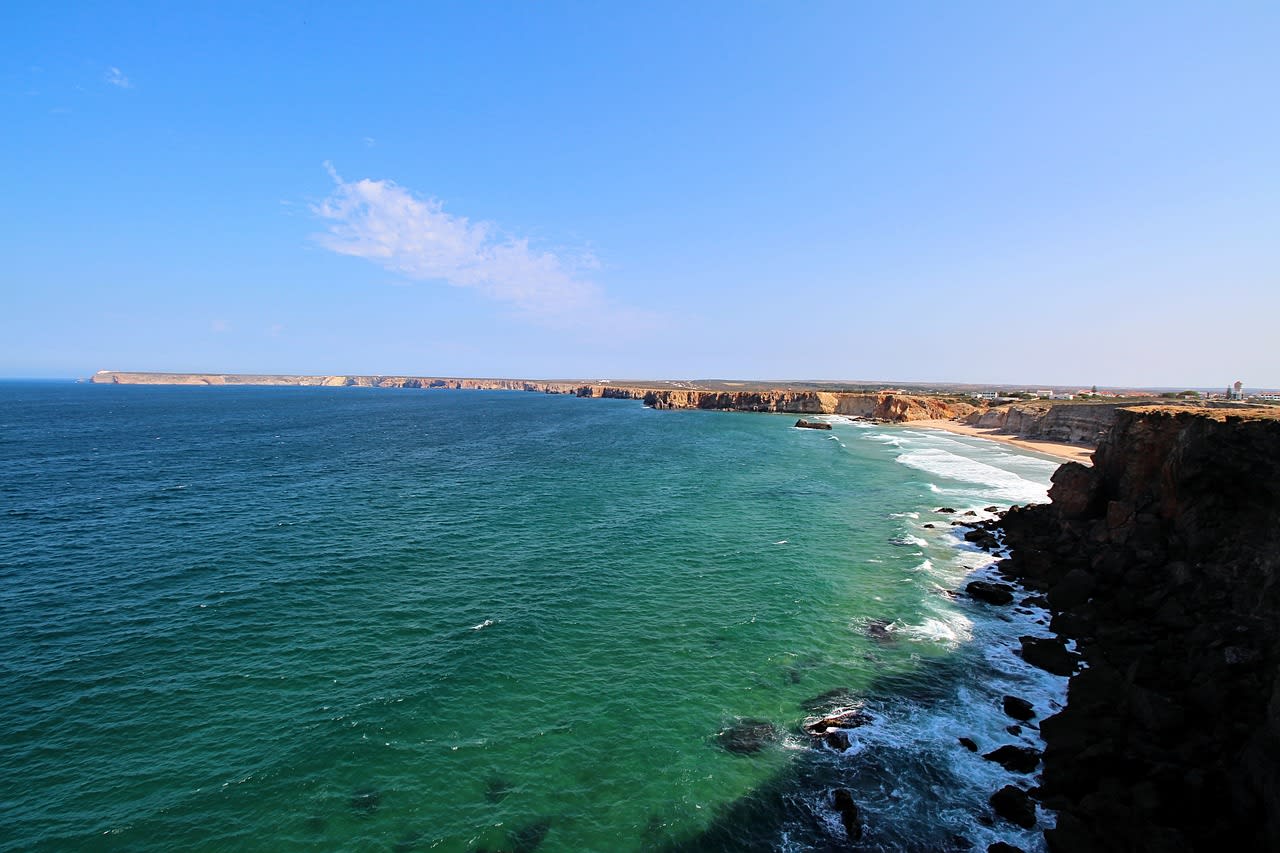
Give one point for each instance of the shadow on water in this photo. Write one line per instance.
(794, 808)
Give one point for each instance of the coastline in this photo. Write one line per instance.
(1081, 453)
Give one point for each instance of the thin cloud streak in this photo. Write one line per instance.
(116, 77)
(389, 225)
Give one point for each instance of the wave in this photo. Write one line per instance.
(997, 483)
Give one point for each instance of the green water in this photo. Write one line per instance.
(298, 619)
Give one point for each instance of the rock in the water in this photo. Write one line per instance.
(842, 802)
(1015, 806)
(881, 630)
(496, 790)
(847, 718)
(1016, 759)
(1014, 729)
(945, 509)
(968, 744)
(837, 740)
(747, 736)
(529, 837)
(991, 593)
(1019, 709)
(1049, 654)
(1002, 847)
(803, 424)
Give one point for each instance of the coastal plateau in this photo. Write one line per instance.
(887, 406)
(1162, 563)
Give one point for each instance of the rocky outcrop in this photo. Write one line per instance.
(879, 406)
(1162, 562)
(1081, 423)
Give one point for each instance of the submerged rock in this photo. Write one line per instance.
(881, 630)
(529, 837)
(747, 736)
(842, 802)
(365, 801)
(803, 424)
(837, 698)
(967, 743)
(497, 789)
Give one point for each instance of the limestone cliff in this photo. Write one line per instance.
(1078, 422)
(1162, 561)
(882, 406)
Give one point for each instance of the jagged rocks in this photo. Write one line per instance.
(1016, 759)
(1049, 654)
(991, 593)
(1019, 709)
(983, 538)
(1074, 589)
(1015, 806)
(849, 718)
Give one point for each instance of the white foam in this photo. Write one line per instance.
(997, 482)
(485, 624)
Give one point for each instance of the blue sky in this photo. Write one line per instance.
(1058, 193)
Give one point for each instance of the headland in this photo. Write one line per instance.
(1160, 561)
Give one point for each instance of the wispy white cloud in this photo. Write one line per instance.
(414, 236)
(116, 77)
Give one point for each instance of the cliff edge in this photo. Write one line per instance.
(1161, 561)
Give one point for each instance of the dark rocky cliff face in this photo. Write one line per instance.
(1162, 562)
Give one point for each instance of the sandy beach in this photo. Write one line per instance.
(1058, 449)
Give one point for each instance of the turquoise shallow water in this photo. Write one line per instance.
(289, 618)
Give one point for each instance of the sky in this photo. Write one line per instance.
(1038, 193)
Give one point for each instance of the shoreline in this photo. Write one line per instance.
(1062, 450)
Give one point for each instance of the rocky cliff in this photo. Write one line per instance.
(889, 407)
(1079, 422)
(883, 406)
(1161, 561)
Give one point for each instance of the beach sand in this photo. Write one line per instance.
(1058, 449)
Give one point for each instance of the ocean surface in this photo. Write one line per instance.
(289, 619)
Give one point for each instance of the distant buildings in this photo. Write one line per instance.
(1236, 391)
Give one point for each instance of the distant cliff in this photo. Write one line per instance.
(889, 407)
(366, 381)
(1162, 561)
(882, 406)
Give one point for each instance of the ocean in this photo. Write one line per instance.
(368, 619)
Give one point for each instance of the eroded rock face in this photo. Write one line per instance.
(1163, 562)
(887, 407)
